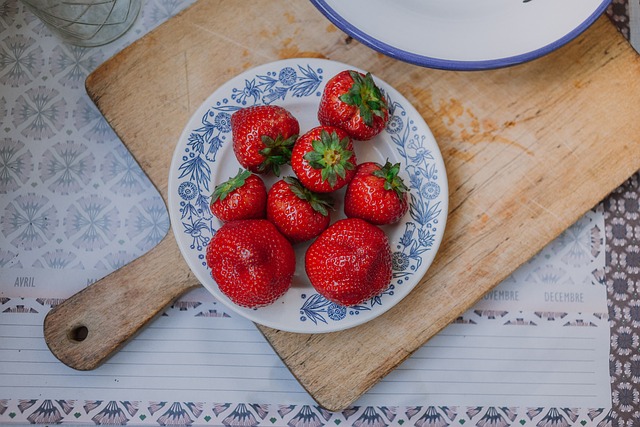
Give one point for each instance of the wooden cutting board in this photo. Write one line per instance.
(528, 150)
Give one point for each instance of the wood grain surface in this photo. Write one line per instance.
(528, 150)
(88, 328)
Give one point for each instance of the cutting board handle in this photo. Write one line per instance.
(90, 326)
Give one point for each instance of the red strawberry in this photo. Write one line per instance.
(353, 102)
(263, 137)
(349, 262)
(323, 159)
(252, 263)
(242, 197)
(297, 212)
(376, 194)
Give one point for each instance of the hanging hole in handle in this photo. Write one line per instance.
(79, 333)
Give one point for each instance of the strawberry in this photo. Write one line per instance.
(243, 196)
(376, 194)
(297, 212)
(263, 136)
(252, 263)
(323, 159)
(353, 102)
(349, 262)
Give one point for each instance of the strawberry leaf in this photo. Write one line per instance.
(366, 96)
(331, 156)
(277, 152)
(223, 190)
(320, 203)
(392, 182)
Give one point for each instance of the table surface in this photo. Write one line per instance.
(58, 71)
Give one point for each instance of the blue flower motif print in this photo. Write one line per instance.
(175, 415)
(198, 231)
(188, 191)
(491, 417)
(287, 76)
(21, 60)
(197, 141)
(123, 174)
(407, 237)
(9, 259)
(214, 146)
(548, 274)
(223, 122)
(59, 259)
(273, 86)
(305, 84)
(316, 306)
(197, 170)
(395, 125)
(422, 211)
(209, 138)
(433, 417)
(419, 154)
(336, 312)
(111, 414)
(73, 64)
(425, 237)
(585, 242)
(370, 418)
(46, 413)
(159, 11)
(305, 417)
(118, 259)
(87, 118)
(430, 190)
(31, 219)
(313, 308)
(250, 90)
(634, 361)
(68, 166)
(148, 222)
(399, 261)
(555, 418)
(16, 165)
(38, 112)
(241, 416)
(91, 222)
(8, 11)
(413, 243)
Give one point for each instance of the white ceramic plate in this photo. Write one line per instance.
(463, 34)
(204, 158)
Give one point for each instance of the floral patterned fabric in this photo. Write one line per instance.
(622, 274)
(62, 168)
(618, 12)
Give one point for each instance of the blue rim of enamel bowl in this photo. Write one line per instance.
(454, 65)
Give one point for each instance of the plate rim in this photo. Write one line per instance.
(175, 221)
(453, 64)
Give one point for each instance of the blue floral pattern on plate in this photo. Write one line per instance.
(204, 157)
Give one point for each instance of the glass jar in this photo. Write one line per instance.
(86, 23)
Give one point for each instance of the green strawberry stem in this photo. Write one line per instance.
(331, 156)
(222, 190)
(320, 203)
(277, 152)
(365, 95)
(392, 181)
